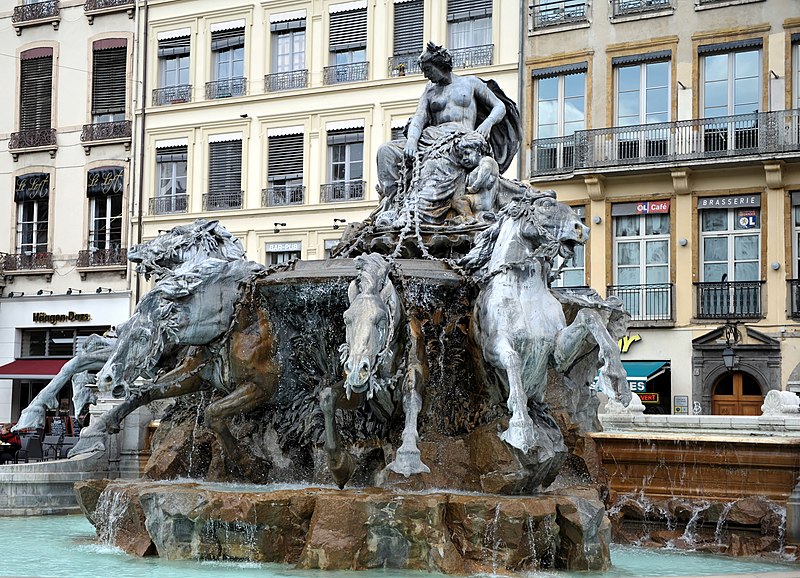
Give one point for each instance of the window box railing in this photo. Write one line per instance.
(729, 300)
(794, 298)
(341, 73)
(558, 13)
(286, 80)
(404, 64)
(106, 131)
(669, 142)
(32, 140)
(282, 195)
(633, 7)
(342, 191)
(222, 201)
(103, 257)
(172, 95)
(169, 204)
(473, 56)
(226, 88)
(46, 11)
(651, 302)
(94, 8)
(27, 262)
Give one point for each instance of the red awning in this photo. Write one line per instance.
(32, 368)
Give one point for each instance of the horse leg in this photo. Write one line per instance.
(570, 343)
(407, 460)
(340, 462)
(520, 432)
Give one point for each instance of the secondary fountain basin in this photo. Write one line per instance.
(66, 546)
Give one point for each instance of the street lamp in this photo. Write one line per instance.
(731, 338)
(728, 358)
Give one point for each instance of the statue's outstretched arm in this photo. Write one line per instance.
(418, 122)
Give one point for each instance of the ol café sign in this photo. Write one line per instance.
(647, 207)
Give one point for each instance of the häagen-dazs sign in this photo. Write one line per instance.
(71, 316)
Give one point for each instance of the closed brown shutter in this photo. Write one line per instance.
(225, 167)
(36, 89)
(285, 157)
(108, 80)
(348, 30)
(408, 20)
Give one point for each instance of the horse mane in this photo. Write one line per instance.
(372, 272)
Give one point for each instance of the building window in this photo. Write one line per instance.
(224, 175)
(573, 273)
(345, 165)
(348, 47)
(37, 343)
(36, 88)
(409, 18)
(469, 23)
(285, 170)
(109, 75)
(173, 61)
(731, 80)
(796, 232)
(171, 194)
(32, 195)
(289, 46)
(730, 256)
(642, 97)
(560, 97)
(227, 50)
(796, 68)
(279, 253)
(104, 190)
(641, 258)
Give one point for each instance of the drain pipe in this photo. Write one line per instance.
(523, 37)
(140, 184)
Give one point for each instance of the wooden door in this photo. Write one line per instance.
(736, 393)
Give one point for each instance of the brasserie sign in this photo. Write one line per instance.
(40, 317)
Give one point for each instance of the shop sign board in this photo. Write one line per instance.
(681, 404)
(648, 397)
(40, 317)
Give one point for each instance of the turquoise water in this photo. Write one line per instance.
(64, 546)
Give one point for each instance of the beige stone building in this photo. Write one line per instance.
(673, 125)
(65, 172)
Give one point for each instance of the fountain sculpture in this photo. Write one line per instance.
(429, 357)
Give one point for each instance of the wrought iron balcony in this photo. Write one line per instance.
(172, 95)
(342, 191)
(651, 302)
(729, 300)
(106, 131)
(473, 56)
(286, 80)
(27, 261)
(794, 298)
(36, 13)
(222, 201)
(404, 64)
(226, 88)
(32, 139)
(669, 142)
(632, 7)
(341, 73)
(283, 195)
(711, 2)
(558, 13)
(94, 7)
(168, 205)
(103, 257)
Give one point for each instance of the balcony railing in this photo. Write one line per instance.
(92, 5)
(404, 64)
(222, 201)
(226, 88)
(46, 9)
(283, 195)
(794, 298)
(27, 261)
(729, 300)
(172, 95)
(102, 257)
(106, 131)
(473, 56)
(631, 7)
(28, 139)
(354, 72)
(680, 141)
(286, 80)
(168, 205)
(342, 191)
(558, 13)
(645, 302)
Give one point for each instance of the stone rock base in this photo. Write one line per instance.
(353, 529)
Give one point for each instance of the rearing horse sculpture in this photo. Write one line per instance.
(519, 324)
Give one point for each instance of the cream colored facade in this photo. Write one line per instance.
(376, 104)
(615, 162)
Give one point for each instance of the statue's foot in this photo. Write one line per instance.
(407, 461)
(520, 434)
(88, 445)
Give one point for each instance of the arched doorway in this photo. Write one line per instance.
(736, 393)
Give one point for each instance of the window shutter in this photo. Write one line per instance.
(468, 9)
(225, 167)
(108, 80)
(36, 90)
(104, 181)
(171, 154)
(173, 47)
(748, 44)
(348, 30)
(224, 39)
(345, 136)
(408, 20)
(31, 187)
(288, 25)
(285, 157)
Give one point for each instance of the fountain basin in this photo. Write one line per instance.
(439, 531)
